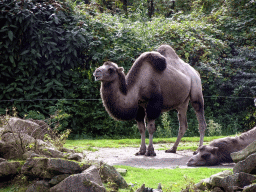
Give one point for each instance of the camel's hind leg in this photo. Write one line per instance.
(183, 125)
(198, 105)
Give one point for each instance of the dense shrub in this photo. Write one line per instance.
(42, 45)
(49, 50)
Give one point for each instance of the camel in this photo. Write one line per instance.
(219, 150)
(158, 81)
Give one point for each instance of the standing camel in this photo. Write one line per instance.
(157, 82)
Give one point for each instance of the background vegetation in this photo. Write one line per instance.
(50, 48)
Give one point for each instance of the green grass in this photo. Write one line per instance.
(170, 179)
(187, 143)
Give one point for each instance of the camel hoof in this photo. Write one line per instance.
(150, 153)
(170, 150)
(140, 153)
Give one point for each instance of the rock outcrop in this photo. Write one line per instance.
(50, 169)
(8, 169)
(248, 165)
(89, 180)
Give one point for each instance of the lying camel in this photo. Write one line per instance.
(219, 150)
(157, 82)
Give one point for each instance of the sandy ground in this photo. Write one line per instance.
(125, 156)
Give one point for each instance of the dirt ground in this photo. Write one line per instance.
(125, 156)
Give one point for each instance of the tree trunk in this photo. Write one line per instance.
(150, 8)
(125, 2)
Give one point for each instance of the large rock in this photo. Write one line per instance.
(39, 186)
(1, 131)
(87, 181)
(233, 182)
(208, 183)
(17, 139)
(57, 179)
(8, 169)
(9, 151)
(241, 155)
(30, 154)
(248, 165)
(109, 173)
(75, 156)
(14, 145)
(47, 168)
(250, 188)
(17, 125)
(50, 152)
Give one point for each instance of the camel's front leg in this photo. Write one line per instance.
(142, 129)
(151, 129)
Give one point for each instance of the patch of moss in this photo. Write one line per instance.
(87, 183)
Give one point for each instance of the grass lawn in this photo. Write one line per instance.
(170, 179)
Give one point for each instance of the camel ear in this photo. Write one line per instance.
(120, 69)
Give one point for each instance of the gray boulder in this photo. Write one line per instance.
(20, 139)
(14, 145)
(217, 189)
(248, 165)
(30, 154)
(210, 182)
(35, 128)
(243, 154)
(57, 179)
(47, 168)
(75, 156)
(8, 151)
(8, 169)
(233, 182)
(50, 152)
(87, 181)
(109, 173)
(39, 186)
(250, 188)
(122, 172)
(1, 131)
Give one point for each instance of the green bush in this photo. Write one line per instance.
(41, 46)
(49, 50)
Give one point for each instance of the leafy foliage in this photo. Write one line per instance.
(49, 50)
(40, 48)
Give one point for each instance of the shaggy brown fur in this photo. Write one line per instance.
(157, 82)
(219, 150)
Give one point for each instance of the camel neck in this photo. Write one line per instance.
(118, 103)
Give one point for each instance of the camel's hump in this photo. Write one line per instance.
(167, 51)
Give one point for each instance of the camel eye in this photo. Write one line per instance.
(206, 156)
(110, 70)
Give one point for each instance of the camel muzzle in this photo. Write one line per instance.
(97, 75)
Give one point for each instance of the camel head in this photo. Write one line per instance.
(108, 72)
(207, 155)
